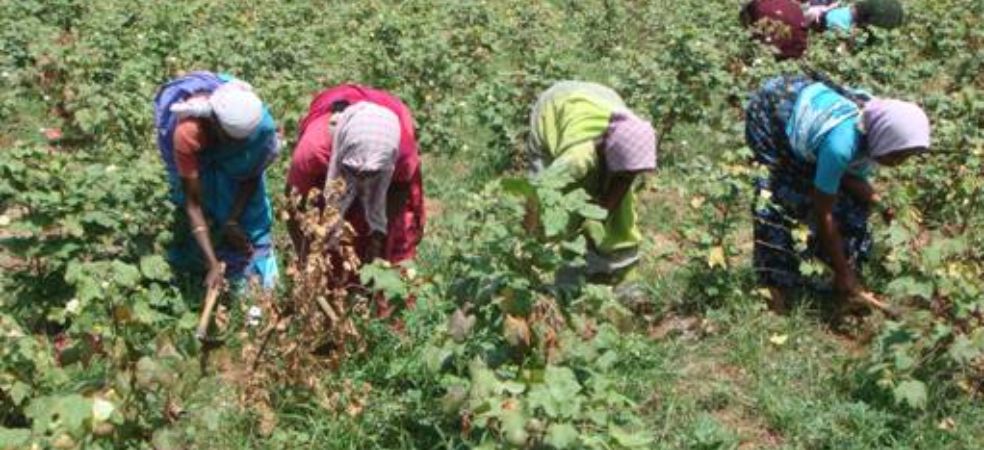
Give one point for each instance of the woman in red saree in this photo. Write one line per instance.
(366, 137)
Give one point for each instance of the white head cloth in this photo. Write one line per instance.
(236, 106)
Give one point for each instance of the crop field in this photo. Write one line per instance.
(97, 343)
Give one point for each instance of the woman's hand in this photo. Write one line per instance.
(215, 277)
(888, 214)
(377, 243)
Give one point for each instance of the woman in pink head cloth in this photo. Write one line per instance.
(366, 137)
(821, 143)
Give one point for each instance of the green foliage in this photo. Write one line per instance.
(525, 359)
(93, 316)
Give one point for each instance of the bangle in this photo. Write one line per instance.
(198, 229)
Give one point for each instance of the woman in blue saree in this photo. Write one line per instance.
(216, 138)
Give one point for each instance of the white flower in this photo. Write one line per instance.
(254, 315)
(73, 305)
(101, 410)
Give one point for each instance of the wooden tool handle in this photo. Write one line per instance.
(210, 299)
(872, 301)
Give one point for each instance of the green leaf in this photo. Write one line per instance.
(99, 218)
(514, 427)
(903, 361)
(518, 186)
(144, 314)
(628, 439)
(592, 211)
(435, 357)
(188, 321)
(512, 387)
(561, 435)
(963, 350)
(555, 221)
(11, 438)
(909, 287)
(382, 277)
(912, 393)
(66, 413)
(453, 399)
(578, 246)
(155, 267)
(484, 383)
(19, 392)
(558, 395)
(125, 275)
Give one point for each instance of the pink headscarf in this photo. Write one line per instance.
(894, 125)
(630, 144)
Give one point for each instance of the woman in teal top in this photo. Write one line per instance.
(821, 144)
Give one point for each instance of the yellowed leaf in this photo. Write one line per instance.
(801, 234)
(779, 339)
(947, 424)
(715, 258)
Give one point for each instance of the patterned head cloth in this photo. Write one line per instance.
(630, 144)
(365, 142)
(880, 13)
(894, 125)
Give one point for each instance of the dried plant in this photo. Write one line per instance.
(313, 327)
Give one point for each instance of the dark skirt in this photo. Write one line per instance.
(782, 197)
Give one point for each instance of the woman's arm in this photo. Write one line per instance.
(396, 199)
(199, 229)
(833, 244)
(231, 230)
(864, 191)
(246, 190)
